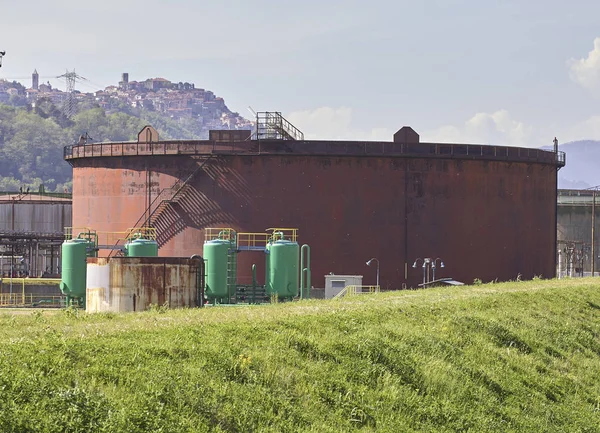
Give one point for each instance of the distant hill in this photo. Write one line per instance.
(583, 165)
(35, 126)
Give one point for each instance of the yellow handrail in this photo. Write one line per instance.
(289, 234)
(29, 299)
(27, 281)
(357, 290)
(225, 233)
(111, 238)
(252, 239)
(70, 231)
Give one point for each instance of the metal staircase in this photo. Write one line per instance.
(167, 199)
(178, 193)
(271, 125)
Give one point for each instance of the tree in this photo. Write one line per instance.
(35, 149)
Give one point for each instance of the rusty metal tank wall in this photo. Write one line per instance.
(484, 217)
(123, 284)
(34, 213)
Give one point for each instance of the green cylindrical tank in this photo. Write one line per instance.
(282, 268)
(215, 254)
(74, 267)
(141, 248)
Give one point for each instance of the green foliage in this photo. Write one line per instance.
(160, 309)
(507, 357)
(102, 127)
(32, 142)
(32, 138)
(172, 129)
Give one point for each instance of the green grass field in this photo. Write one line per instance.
(509, 357)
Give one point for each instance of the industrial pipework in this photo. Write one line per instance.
(305, 272)
(282, 260)
(200, 273)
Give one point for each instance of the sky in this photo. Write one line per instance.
(501, 72)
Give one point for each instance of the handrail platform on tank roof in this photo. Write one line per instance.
(317, 147)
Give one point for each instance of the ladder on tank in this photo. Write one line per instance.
(231, 271)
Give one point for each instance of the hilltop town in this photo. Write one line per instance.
(177, 101)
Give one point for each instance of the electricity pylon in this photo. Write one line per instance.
(69, 103)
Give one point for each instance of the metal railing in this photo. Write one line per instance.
(108, 238)
(223, 233)
(271, 125)
(577, 197)
(45, 195)
(285, 233)
(252, 241)
(17, 296)
(357, 290)
(31, 300)
(302, 147)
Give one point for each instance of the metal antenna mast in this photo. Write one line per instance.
(69, 103)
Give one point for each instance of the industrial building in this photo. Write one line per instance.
(31, 232)
(487, 212)
(577, 231)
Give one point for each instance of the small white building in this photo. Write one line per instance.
(334, 284)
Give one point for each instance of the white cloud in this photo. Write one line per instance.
(485, 128)
(589, 129)
(327, 123)
(586, 71)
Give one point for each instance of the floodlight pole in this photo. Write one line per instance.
(433, 266)
(369, 264)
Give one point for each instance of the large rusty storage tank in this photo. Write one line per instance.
(488, 212)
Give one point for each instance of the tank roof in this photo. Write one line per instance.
(34, 197)
(315, 148)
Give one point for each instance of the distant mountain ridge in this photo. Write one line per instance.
(583, 165)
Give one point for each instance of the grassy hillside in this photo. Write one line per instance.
(492, 358)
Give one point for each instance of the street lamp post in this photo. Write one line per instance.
(433, 266)
(369, 264)
(425, 261)
(426, 266)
